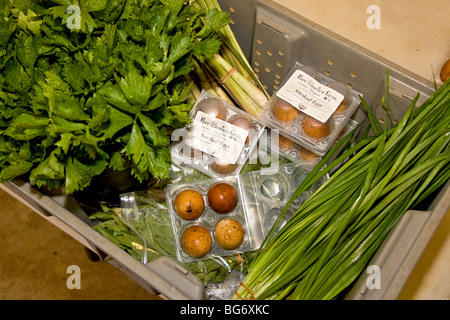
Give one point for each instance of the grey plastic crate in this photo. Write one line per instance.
(274, 38)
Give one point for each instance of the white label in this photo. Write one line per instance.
(310, 96)
(216, 137)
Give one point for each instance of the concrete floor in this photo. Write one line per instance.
(35, 256)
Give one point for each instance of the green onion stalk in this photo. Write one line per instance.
(331, 238)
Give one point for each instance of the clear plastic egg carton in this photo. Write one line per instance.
(294, 152)
(220, 138)
(227, 203)
(288, 149)
(310, 108)
(274, 191)
(253, 199)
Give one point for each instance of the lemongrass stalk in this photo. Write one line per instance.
(229, 39)
(204, 83)
(209, 84)
(226, 33)
(219, 92)
(241, 97)
(191, 98)
(228, 55)
(253, 91)
(195, 91)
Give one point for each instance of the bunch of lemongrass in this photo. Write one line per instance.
(243, 91)
(331, 238)
(232, 51)
(231, 69)
(208, 83)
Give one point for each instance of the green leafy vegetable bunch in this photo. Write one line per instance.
(87, 86)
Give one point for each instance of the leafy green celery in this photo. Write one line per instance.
(114, 86)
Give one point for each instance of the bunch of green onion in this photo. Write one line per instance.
(331, 238)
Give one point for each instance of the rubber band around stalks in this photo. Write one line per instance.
(252, 296)
(227, 76)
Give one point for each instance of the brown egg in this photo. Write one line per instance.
(341, 109)
(343, 89)
(314, 128)
(307, 155)
(284, 111)
(222, 167)
(214, 108)
(445, 71)
(285, 144)
(189, 204)
(196, 241)
(222, 197)
(229, 234)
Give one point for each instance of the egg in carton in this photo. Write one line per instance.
(294, 152)
(220, 138)
(222, 216)
(209, 219)
(310, 109)
(288, 149)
